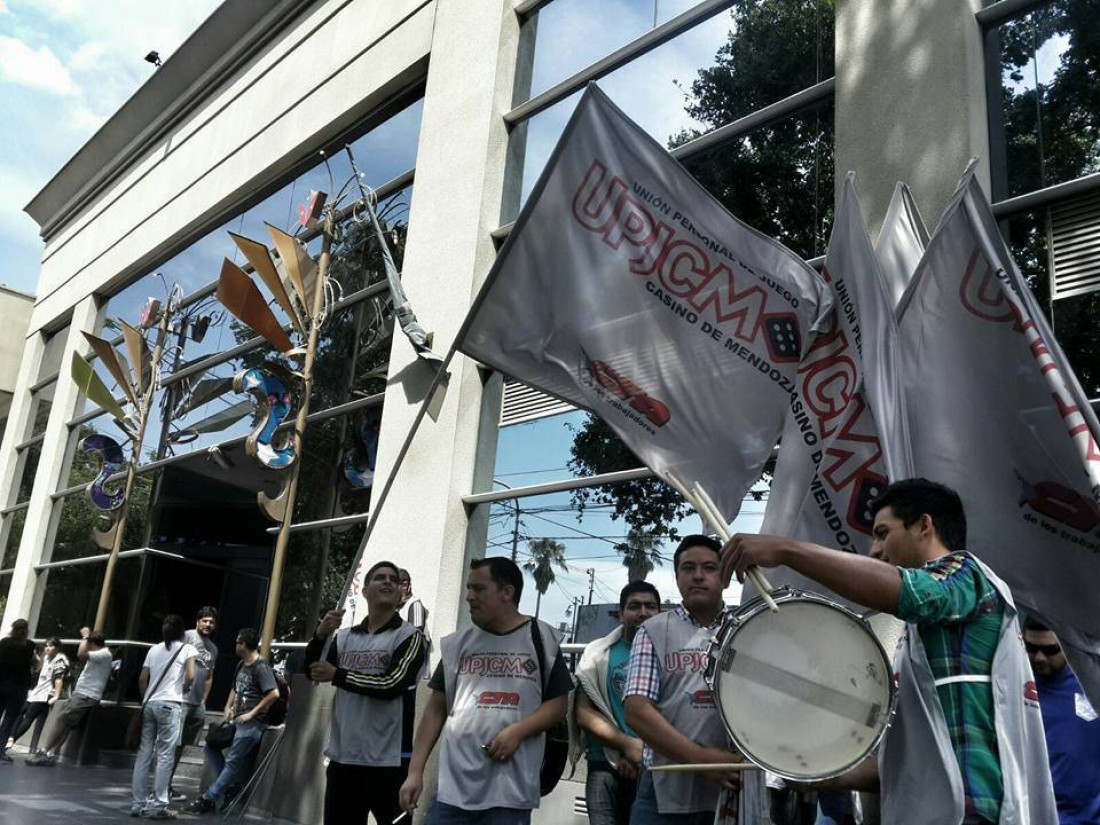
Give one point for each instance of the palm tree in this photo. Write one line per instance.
(641, 553)
(545, 553)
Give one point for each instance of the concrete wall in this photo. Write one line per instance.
(15, 315)
(341, 59)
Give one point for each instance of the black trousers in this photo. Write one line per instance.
(31, 712)
(353, 791)
(12, 698)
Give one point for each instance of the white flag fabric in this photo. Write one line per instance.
(850, 403)
(997, 414)
(901, 242)
(626, 289)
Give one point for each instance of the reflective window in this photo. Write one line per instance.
(1050, 98)
(317, 564)
(382, 154)
(5, 586)
(703, 79)
(41, 403)
(71, 596)
(778, 179)
(15, 523)
(788, 39)
(26, 467)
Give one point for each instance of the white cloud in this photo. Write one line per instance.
(34, 68)
(3, 7)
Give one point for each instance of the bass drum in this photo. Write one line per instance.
(806, 693)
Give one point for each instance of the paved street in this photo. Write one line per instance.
(68, 795)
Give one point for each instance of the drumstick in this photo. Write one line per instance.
(722, 528)
(707, 766)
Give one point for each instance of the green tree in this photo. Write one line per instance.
(546, 554)
(641, 553)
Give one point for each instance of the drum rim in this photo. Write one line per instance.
(783, 595)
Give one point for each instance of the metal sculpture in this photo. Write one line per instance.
(274, 450)
(139, 384)
(240, 295)
(105, 493)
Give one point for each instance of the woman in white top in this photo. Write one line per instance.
(166, 677)
(40, 698)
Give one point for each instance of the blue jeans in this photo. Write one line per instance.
(440, 813)
(645, 810)
(232, 766)
(160, 731)
(608, 795)
(835, 808)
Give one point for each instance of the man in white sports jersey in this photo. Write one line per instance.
(668, 702)
(501, 683)
(372, 665)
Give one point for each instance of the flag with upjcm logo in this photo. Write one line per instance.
(626, 289)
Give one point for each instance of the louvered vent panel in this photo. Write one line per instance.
(521, 403)
(1075, 236)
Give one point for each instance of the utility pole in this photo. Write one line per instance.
(576, 614)
(591, 571)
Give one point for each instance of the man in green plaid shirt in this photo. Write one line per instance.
(919, 572)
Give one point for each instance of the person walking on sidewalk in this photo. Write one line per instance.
(254, 690)
(170, 667)
(17, 662)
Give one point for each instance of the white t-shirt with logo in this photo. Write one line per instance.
(170, 687)
(93, 679)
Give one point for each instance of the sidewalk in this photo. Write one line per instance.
(70, 795)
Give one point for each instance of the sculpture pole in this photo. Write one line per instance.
(131, 470)
(276, 583)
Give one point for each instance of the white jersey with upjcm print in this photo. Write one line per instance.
(491, 682)
(687, 703)
(363, 730)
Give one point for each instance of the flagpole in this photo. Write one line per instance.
(278, 562)
(131, 470)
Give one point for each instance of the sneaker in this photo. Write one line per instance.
(41, 760)
(175, 796)
(5, 759)
(202, 805)
(163, 813)
(136, 812)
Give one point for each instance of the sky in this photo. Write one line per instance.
(65, 67)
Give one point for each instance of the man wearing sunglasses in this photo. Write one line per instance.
(1072, 728)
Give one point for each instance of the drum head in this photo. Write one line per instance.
(806, 692)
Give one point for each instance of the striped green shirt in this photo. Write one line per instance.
(958, 614)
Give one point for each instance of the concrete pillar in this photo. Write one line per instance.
(456, 204)
(17, 430)
(910, 100)
(37, 542)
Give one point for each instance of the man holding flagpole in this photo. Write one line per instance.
(967, 744)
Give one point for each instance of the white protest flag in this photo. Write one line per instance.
(901, 242)
(997, 413)
(626, 289)
(849, 406)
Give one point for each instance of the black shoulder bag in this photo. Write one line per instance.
(556, 752)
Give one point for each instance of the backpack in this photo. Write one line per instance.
(276, 712)
(556, 752)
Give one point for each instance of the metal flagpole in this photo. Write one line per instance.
(276, 583)
(131, 470)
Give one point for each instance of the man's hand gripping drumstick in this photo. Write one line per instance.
(704, 505)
